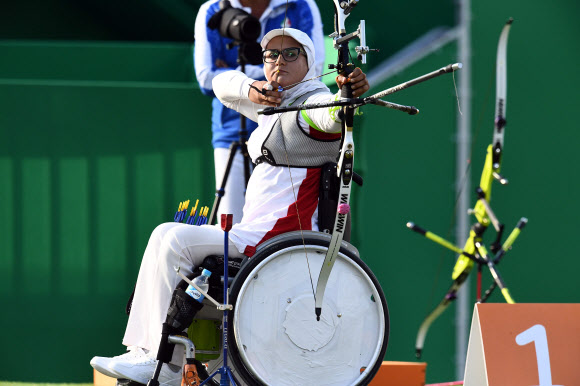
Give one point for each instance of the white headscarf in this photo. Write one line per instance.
(308, 46)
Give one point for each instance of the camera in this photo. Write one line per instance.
(243, 28)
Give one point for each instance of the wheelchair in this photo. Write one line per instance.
(273, 336)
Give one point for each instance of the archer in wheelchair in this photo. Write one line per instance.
(275, 252)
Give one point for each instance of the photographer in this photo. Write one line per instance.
(212, 57)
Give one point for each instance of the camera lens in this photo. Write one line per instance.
(239, 25)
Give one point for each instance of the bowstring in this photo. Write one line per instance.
(308, 80)
(290, 172)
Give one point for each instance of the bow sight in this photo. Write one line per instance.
(361, 50)
(341, 39)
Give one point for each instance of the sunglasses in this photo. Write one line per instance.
(289, 54)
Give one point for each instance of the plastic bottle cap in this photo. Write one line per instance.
(205, 272)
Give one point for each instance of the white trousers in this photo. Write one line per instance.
(234, 198)
(171, 245)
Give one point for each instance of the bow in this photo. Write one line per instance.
(474, 250)
(344, 167)
(348, 105)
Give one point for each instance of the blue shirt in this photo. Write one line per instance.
(210, 46)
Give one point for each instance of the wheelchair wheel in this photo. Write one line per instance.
(274, 338)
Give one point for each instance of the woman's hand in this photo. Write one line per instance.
(358, 81)
(270, 96)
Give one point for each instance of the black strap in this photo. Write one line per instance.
(259, 160)
(262, 91)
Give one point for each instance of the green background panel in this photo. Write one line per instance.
(103, 131)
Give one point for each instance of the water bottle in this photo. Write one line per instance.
(202, 281)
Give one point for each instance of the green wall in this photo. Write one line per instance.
(88, 166)
(409, 169)
(101, 138)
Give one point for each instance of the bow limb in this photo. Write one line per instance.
(450, 296)
(442, 306)
(501, 94)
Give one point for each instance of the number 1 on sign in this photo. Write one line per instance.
(537, 334)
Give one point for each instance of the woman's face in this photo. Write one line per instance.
(283, 71)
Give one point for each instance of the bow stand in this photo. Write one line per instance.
(474, 250)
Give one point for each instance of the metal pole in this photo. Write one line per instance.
(462, 316)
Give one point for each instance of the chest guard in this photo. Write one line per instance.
(288, 139)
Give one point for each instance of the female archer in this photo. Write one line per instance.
(282, 196)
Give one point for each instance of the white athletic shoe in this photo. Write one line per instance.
(101, 364)
(140, 368)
